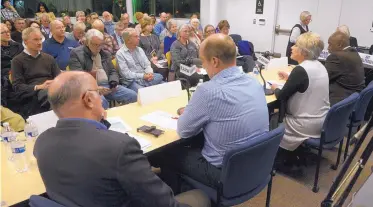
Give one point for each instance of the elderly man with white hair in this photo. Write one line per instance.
(58, 46)
(296, 31)
(344, 29)
(108, 22)
(134, 65)
(78, 32)
(45, 25)
(92, 59)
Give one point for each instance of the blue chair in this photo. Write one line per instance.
(358, 113)
(332, 132)
(246, 171)
(39, 201)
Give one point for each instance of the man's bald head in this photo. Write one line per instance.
(99, 25)
(218, 52)
(163, 17)
(338, 41)
(57, 28)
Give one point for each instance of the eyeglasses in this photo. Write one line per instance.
(5, 32)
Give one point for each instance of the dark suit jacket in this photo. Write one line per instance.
(83, 165)
(346, 74)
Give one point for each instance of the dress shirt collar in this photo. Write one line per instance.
(226, 72)
(27, 52)
(97, 124)
(125, 48)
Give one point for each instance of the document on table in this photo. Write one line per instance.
(118, 125)
(162, 119)
(144, 143)
(44, 121)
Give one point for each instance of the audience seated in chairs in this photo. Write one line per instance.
(104, 167)
(108, 22)
(108, 44)
(80, 16)
(306, 92)
(185, 52)
(216, 117)
(43, 9)
(344, 29)
(133, 64)
(58, 46)
(20, 25)
(195, 34)
(32, 73)
(209, 30)
(118, 36)
(345, 68)
(78, 33)
(195, 16)
(9, 49)
(45, 26)
(158, 28)
(91, 58)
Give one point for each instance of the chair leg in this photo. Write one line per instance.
(269, 190)
(335, 167)
(348, 142)
(315, 188)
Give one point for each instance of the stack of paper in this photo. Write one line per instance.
(144, 143)
(118, 125)
(162, 119)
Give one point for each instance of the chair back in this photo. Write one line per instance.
(334, 127)
(167, 43)
(236, 38)
(362, 104)
(39, 201)
(248, 167)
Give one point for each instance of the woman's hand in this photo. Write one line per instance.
(283, 75)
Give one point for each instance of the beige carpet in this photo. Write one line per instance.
(297, 192)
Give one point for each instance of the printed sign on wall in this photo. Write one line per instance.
(259, 6)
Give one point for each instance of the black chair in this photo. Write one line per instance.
(358, 113)
(236, 38)
(246, 171)
(332, 132)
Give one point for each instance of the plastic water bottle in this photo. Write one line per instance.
(8, 136)
(31, 130)
(256, 71)
(19, 156)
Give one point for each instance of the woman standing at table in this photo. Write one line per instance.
(306, 93)
(296, 31)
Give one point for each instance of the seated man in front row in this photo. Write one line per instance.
(230, 109)
(91, 58)
(32, 73)
(99, 167)
(134, 66)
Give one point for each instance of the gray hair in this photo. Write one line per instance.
(171, 22)
(44, 16)
(78, 13)
(93, 33)
(27, 32)
(127, 33)
(80, 26)
(344, 29)
(304, 15)
(194, 20)
(71, 89)
(181, 28)
(310, 45)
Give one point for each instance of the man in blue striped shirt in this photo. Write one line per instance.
(230, 109)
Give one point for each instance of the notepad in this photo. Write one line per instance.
(118, 125)
(162, 119)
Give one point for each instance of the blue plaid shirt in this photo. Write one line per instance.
(230, 109)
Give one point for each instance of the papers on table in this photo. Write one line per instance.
(162, 119)
(144, 143)
(279, 84)
(118, 125)
(44, 120)
(201, 71)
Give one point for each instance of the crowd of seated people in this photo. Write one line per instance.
(116, 59)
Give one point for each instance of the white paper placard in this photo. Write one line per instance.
(159, 92)
(365, 58)
(264, 61)
(189, 71)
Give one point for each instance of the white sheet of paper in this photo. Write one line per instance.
(202, 71)
(162, 119)
(118, 125)
(44, 120)
(144, 143)
(159, 92)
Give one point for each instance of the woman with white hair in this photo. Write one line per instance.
(344, 29)
(170, 31)
(296, 31)
(306, 93)
(195, 33)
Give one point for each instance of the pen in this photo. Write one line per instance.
(269, 83)
(174, 117)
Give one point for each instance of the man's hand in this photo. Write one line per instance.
(104, 91)
(148, 76)
(283, 75)
(43, 86)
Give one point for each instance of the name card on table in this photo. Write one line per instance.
(189, 71)
(159, 92)
(261, 59)
(365, 58)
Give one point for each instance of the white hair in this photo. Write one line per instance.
(127, 33)
(45, 16)
(171, 22)
(181, 28)
(93, 33)
(304, 15)
(310, 45)
(194, 20)
(344, 29)
(80, 26)
(78, 13)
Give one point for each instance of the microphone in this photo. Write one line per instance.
(268, 54)
(263, 62)
(187, 86)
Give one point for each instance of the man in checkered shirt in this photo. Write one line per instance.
(9, 12)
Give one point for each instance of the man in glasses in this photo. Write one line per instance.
(58, 46)
(92, 59)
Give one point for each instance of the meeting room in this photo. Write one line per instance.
(192, 103)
